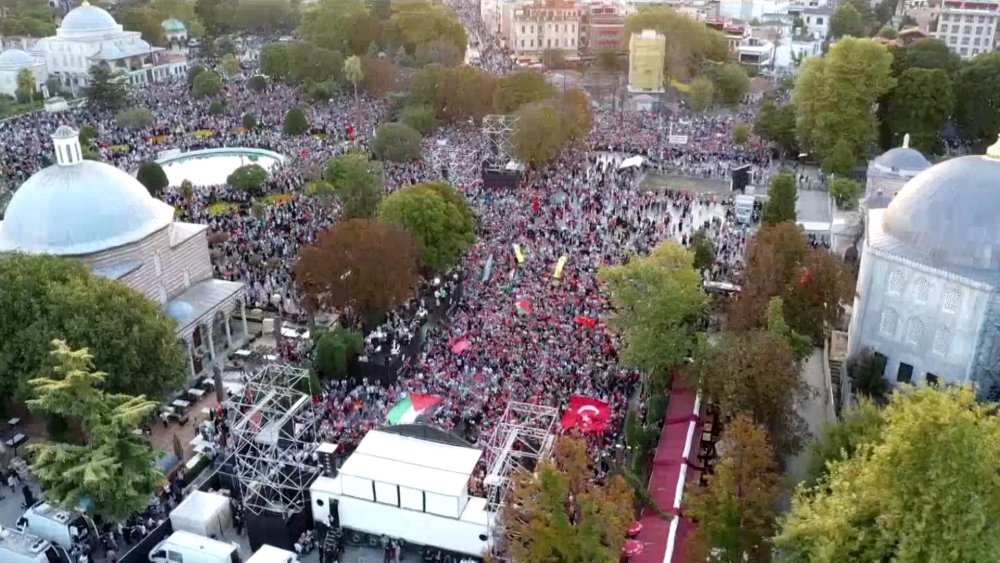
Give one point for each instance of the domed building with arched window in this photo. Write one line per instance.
(89, 36)
(12, 63)
(103, 216)
(928, 292)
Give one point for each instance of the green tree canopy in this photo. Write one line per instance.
(689, 42)
(776, 125)
(419, 23)
(800, 344)
(841, 159)
(927, 53)
(741, 133)
(520, 88)
(207, 83)
(276, 60)
(115, 471)
(420, 118)
(47, 297)
(920, 105)
(357, 181)
(702, 94)
(136, 118)
(704, 254)
(145, 20)
(781, 198)
(559, 514)
(843, 439)
(845, 192)
(846, 20)
(465, 92)
(344, 26)
(658, 303)
(396, 142)
(540, 133)
(152, 176)
(438, 216)
(249, 178)
(105, 90)
(835, 96)
(27, 18)
(295, 122)
(736, 511)
(872, 508)
(230, 65)
(441, 52)
(424, 85)
(266, 16)
(731, 83)
(335, 348)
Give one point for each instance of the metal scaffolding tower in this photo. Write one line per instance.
(524, 436)
(499, 132)
(454, 162)
(273, 436)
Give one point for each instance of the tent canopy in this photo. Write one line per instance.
(205, 514)
(631, 161)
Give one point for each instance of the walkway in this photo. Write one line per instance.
(663, 540)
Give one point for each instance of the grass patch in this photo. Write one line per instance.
(276, 199)
(240, 131)
(204, 133)
(320, 136)
(680, 86)
(221, 207)
(117, 148)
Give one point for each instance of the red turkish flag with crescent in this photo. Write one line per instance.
(587, 414)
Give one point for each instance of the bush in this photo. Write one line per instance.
(741, 133)
(216, 108)
(193, 73)
(845, 191)
(295, 122)
(257, 83)
(134, 118)
(87, 133)
(152, 176)
(207, 83)
(249, 121)
(396, 142)
(319, 91)
(421, 118)
(250, 177)
(335, 349)
(22, 96)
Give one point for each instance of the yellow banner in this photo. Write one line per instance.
(559, 267)
(518, 254)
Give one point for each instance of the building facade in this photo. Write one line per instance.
(647, 51)
(103, 216)
(968, 28)
(602, 28)
(12, 62)
(546, 25)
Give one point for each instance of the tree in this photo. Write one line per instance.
(731, 83)
(152, 176)
(920, 105)
(137, 118)
(846, 20)
(843, 439)
(354, 73)
(558, 514)
(115, 471)
(47, 297)
(295, 122)
(841, 159)
(845, 191)
(800, 344)
(249, 178)
(927, 53)
(276, 60)
(335, 348)
(867, 372)
(217, 107)
(773, 258)
(704, 254)
(104, 90)
(754, 373)
(702, 94)
(248, 121)
(396, 142)
(26, 81)
(437, 216)
(230, 66)
(781, 198)
(520, 88)
(144, 19)
(380, 76)
(345, 26)
(607, 59)
(257, 83)
(658, 303)
(420, 118)
(424, 85)
(358, 266)
(440, 52)
(193, 73)
(871, 508)
(183, 10)
(308, 63)
(357, 181)
(266, 16)
(736, 510)
(464, 93)
(418, 23)
(539, 135)
(27, 18)
(207, 83)
(689, 42)
(977, 107)
(741, 133)
(814, 294)
(835, 96)
(218, 16)
(776, 125)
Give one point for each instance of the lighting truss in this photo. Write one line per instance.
(524, 436)
(461, 163)
(499, 132)
(268, 429)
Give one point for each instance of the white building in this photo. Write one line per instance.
(176, 34)
(928, 292)
(89, 36)
(746, 10)
(756, 54)
(103, 216)
(968, 28)
(12, 62)
(547, 25)
(817, 21)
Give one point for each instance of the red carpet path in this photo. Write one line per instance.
(663, 540)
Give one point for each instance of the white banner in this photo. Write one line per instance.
(677, 139)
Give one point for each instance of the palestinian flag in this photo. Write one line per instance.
(412, 407)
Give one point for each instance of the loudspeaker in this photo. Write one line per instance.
(740, 178)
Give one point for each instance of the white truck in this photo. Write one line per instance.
(192, 548)
(60, 527)
(408, 489)
(21, 547)
(271, 554)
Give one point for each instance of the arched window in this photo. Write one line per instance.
(895, 284)
(914, 330)
(942, 341)
(889, 321)
(923, 290)
(952, 300)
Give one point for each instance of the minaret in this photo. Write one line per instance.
(906, 141)
(994, 150)
(67, 144)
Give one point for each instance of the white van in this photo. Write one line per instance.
(191, 548)
(61, 527)
(20, 547)
(271, 554)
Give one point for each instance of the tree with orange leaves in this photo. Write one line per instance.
(559, 513)
(359, 266)
(735, 512)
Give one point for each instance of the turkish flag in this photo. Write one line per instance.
(351, 134)
(586, 321)
(587, 414)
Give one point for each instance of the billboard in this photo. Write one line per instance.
(646, 54)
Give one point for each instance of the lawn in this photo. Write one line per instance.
(117, 148)
(680, 86)
(204, 133)
(221, 207)
(276, 199)
(10, 109)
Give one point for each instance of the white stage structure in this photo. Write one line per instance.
(524, 436)
(499, 132)
(455, 162)
(273, 462)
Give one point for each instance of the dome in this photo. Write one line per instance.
(80, 209)
(903, 158)
(180, 311)
(173, 25)
(88, 19)
(16, 58)
(948, 213)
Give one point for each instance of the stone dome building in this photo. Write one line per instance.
(103, 216)
(928, 292)
(888, 173)
(12, 62)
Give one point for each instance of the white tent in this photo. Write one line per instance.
(205, 514)
(631, 161)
